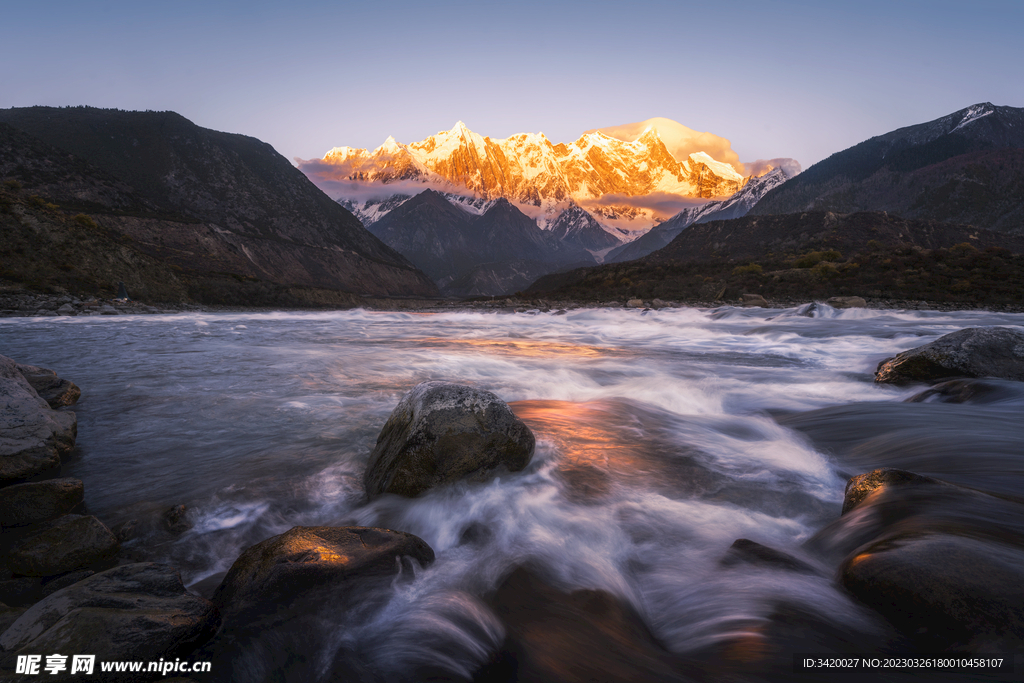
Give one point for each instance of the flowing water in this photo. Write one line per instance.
(662, 437)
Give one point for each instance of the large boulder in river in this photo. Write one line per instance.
(135, 612)
(32, 435)
(944, 564)
(306, 560)
(971, 352)
(55, 391)
(944, 591)
(39, 501)
(63, 545)
(442, 432)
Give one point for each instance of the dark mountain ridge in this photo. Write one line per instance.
(199, 199)
(966, 167)
(808, 255)
(497, 252)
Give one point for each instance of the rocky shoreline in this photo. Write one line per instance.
(22, 304)
(67, 586)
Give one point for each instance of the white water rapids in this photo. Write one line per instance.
(660, 441)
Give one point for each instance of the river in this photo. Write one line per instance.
(662, 437)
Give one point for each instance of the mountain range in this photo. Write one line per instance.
(207, 203)
(621, 182)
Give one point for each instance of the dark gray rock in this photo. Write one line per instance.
(847, 302)
(971, 352)
(175, 519)
(8, 615)
(442, 432)
(68, 543)
(39, 501)
(947, 591)
(863, 485)
(138, 612)
(32, 435)
(57, 392)
(273, 573)
(753, 300)
(745, 551)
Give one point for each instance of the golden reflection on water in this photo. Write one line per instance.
(525, 348)
(603, 443)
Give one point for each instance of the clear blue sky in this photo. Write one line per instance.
(788, 78)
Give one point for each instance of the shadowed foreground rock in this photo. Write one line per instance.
(442, 432)
(138, 612)
(63, 545)
(971, 352)
(39, 501)
(586, 635)
(943, 564)
(274, 572)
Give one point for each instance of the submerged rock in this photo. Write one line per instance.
(442, 432)
(175, 519)
(273, 573)
(138, 612)
(585, 635)
(745, 551)
(68, 543)
(945, 591)
(943, 564)
(39, 501)
(971, 352)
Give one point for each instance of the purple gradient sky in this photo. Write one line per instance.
(779, 79)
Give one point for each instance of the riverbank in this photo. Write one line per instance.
(24, 303)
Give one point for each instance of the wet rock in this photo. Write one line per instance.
(745, 551)
(125, 531)
(40, 501)
(53, 584)
(273, 573)
(442, 432)
(585, 635)
(944, 591)
(68, 543)
(863, 485)
(658, 303)
(846, 302)
(8, 615)
(67, 309)
(753, 300)
(972, 391)
(32, 435)
(138, 612)
(175, 519)
(55, 391)
(943, 564)
(972, 352)
(635, 303)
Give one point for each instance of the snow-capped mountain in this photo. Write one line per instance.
(735, 206)
(540, 177)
